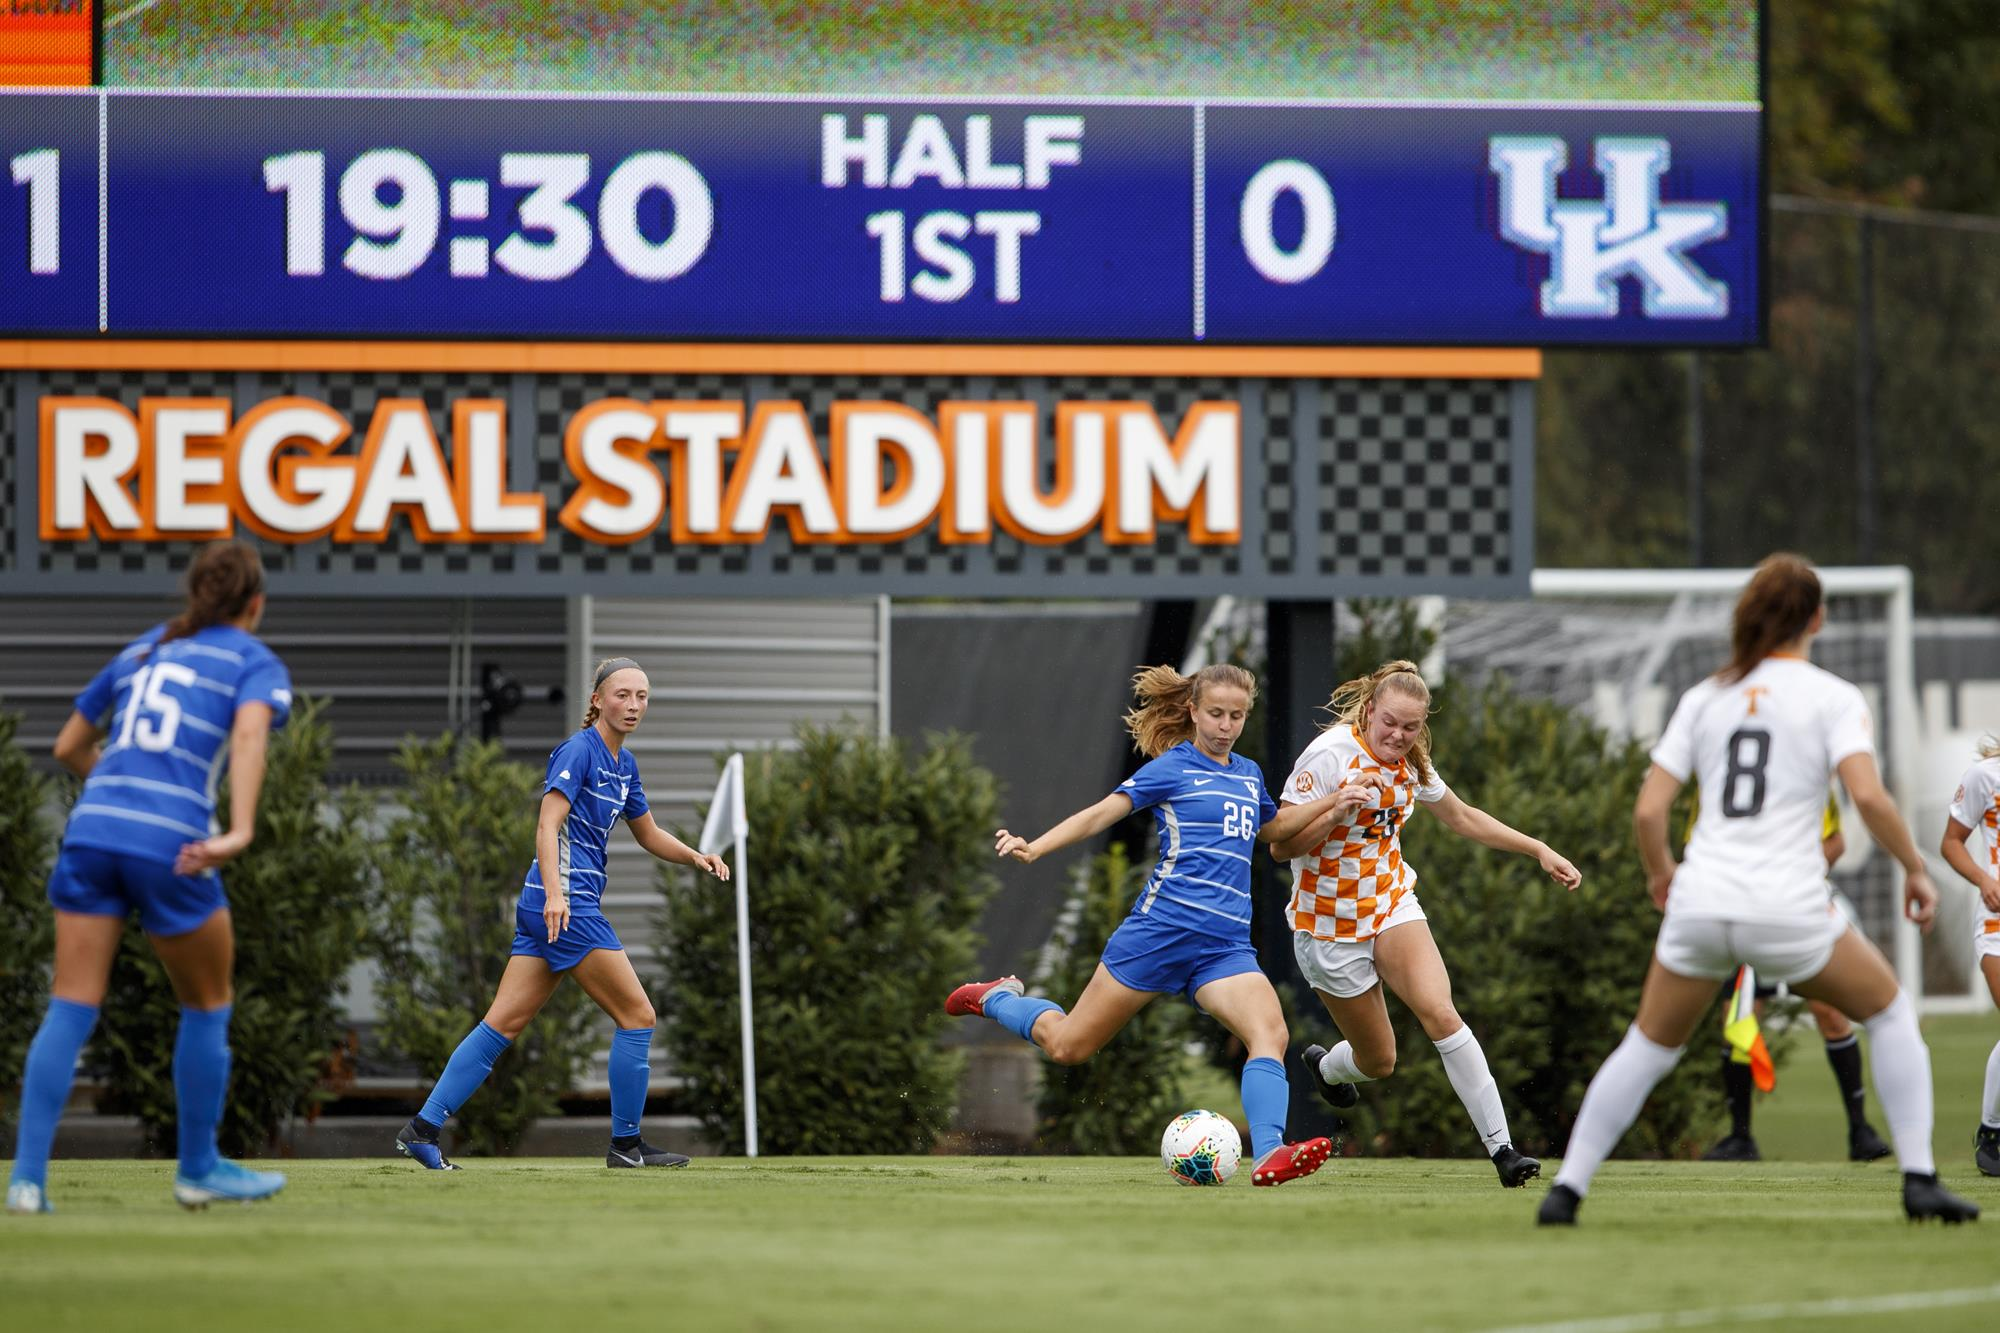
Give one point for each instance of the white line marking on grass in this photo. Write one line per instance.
(1765, 1313)
(113, 20)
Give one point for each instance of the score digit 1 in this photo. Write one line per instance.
(40, 170)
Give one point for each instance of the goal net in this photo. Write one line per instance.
(1622, 645)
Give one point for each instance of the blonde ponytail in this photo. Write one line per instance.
(1352, 699)
(1163, 718)
(1989, 746)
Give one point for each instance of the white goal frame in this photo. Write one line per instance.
(1892, 582)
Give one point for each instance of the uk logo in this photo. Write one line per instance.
(1627, 233)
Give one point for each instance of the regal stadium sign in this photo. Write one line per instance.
(946, 482)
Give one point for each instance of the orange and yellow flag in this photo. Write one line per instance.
(1744, 1035)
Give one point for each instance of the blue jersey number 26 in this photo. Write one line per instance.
(1239, 821)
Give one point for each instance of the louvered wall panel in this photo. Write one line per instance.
(387, 668)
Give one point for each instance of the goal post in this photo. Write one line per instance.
(1622, 645)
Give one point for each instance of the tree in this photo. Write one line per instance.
(27, 927)
(868, 870)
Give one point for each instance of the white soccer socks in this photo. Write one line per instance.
(1465, 1066)
(1901, 1064)
(1337, 1066)
(1613, 1102)
(1989, 1107)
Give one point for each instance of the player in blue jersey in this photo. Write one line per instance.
(1189, 931)
(559, 925)
(150, 736)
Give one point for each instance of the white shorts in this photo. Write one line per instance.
(1711, 947)
(1346, 968)
(1986, 937)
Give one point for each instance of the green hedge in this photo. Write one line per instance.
(868, 867)
(1547, 979)
(449, 870)
(27, 927)
(297, 900)
(1118, 1101)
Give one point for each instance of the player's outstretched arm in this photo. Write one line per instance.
(1878, 811)
(76, 745)
(1469, 821)
(1083, 824)
(248, 735)
(1338, 808)
(1959, 859)
(1649, 828)
(672, 850)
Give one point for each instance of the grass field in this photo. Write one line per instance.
(986, 1243)
(1802, 1241)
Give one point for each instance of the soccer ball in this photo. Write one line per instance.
(1201, 1148)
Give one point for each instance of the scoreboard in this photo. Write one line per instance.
(702, 217)
(995, 298)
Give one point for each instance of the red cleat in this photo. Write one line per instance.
(970, 999)
(1291, 1161)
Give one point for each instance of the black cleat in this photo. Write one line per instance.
(1340, 1096)
(1986, 1150)
(1516, 1169)
(1734, 1148)
(1923, 1197)
(642, 1154)
(423, 1149)
(1559, 1207)
(1865, 1145)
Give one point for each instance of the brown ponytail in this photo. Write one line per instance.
(1774, 609)
(1352, 699)
(1162, 720)
(220, 583)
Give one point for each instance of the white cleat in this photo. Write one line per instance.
(226, 1182)
(25, 1196)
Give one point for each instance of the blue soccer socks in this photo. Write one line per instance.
(630, 1072)
(1017, 1013)
(45, 1081)
(464, 1072)
(201, 1080)
(1266, 1099)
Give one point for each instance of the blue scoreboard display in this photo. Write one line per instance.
(707, 215)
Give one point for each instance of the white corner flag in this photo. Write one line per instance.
(726, 825)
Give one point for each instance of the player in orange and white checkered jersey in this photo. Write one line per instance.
(1977, 806)
(1355, 920)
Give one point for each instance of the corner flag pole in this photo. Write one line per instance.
(728, 805)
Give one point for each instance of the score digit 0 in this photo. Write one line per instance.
(1260, 242)
(393, 239)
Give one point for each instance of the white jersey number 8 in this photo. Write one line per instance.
(163, 711)
(1749, 757)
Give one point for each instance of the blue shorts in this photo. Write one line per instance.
(1145, 954)
(579, 937)
(98, 882)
